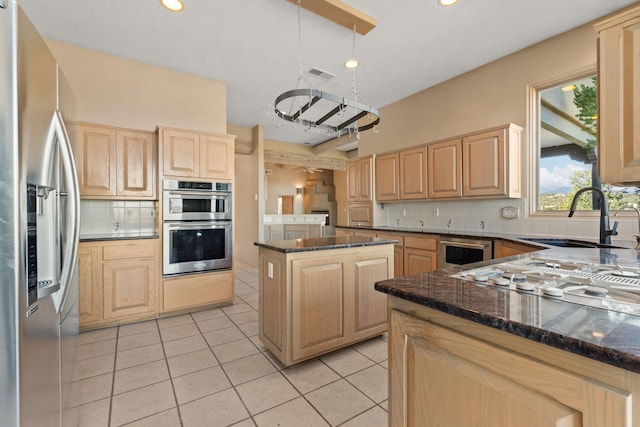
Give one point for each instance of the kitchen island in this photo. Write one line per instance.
(466, 351)
(317, 295)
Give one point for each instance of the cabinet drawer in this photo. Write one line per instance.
(197, 290)
(129, 250)
(426, 243)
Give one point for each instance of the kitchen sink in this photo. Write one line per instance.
(570, 243)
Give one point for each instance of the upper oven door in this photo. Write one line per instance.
(196, 205)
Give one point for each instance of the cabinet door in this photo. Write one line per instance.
(90, 284)
(387, 176)
(370, 305)
(619, 97)
(360, 214)
(445, 169)
(180, 153)
(413, 174)
(318, 305)
(365, 180)
(136, 164)
(434, 372)
(398, 261)
(418, 261)
(96, 160)
(483, 161)
(197, 290)
(353, 174)
(129, 289)
(216, 157)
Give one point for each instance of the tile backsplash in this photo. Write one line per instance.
(486, 215)
(117, 216)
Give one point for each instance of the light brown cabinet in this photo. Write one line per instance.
(445, 169)
(315, 302)
(360, 214)
(402, 175)
(387, 177)
(413, 174)
(439, 363)
(115, 163)
(398, 252)
(420, 254)
(196, 291)
(505, 248)
(619, 97)
(359, 180)
(189, 154)
(117, 281)
(90, 284)
(491, 163)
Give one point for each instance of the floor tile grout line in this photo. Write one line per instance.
(173, 388)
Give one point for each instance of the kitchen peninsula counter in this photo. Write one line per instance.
(505, 347)
(317, 295)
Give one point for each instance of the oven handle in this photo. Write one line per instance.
(191, 225)
(208, 194)
(461, 244)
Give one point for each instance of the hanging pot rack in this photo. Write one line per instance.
(323, 110)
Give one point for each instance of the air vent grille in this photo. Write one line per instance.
(321, 74)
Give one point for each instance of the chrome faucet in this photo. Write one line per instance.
(605, 233)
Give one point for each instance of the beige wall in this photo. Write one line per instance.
(246, 215)
(489, 96)
(116, 91)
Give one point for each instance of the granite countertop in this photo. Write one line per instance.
(604, 335)
(117, 236)
(323, 243)
(490, 235)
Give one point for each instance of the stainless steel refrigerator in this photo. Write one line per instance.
(39, 214)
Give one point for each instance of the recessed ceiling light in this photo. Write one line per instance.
(351, 63)
(568, 88)
(447, 2)
(173, 5)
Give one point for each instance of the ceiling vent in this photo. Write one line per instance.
(321, 74)
(268, 172)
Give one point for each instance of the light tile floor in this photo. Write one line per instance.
(210, 369)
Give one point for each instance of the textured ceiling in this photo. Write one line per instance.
(252, 45)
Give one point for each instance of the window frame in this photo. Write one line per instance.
(533, 136)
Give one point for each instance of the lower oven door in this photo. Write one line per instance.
(195, 246)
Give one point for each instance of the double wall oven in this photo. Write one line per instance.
(196, 226)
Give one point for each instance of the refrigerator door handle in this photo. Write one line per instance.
(70, 175)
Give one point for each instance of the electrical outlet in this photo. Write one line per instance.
(436, 212)
(404, 212)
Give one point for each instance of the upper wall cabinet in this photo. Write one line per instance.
(359, 180)
(402, 175)
(115, 163)
(387, 177)
(619, 97)
(190, 154)
(445, 169)
(491, 163)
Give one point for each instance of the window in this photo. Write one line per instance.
(568, 146)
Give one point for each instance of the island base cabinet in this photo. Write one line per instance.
(318, 306)
(442, 377)
(311, 305)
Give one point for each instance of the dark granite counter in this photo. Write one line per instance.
(487, 235)
(323, 243)
(117, 236)
(604, 335)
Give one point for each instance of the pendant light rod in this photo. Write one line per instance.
(340, 13)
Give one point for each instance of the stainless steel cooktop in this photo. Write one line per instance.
(612, 287)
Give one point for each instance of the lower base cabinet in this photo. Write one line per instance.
(193, 291)
(315, 302)
(445, 371)
(118, 282)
